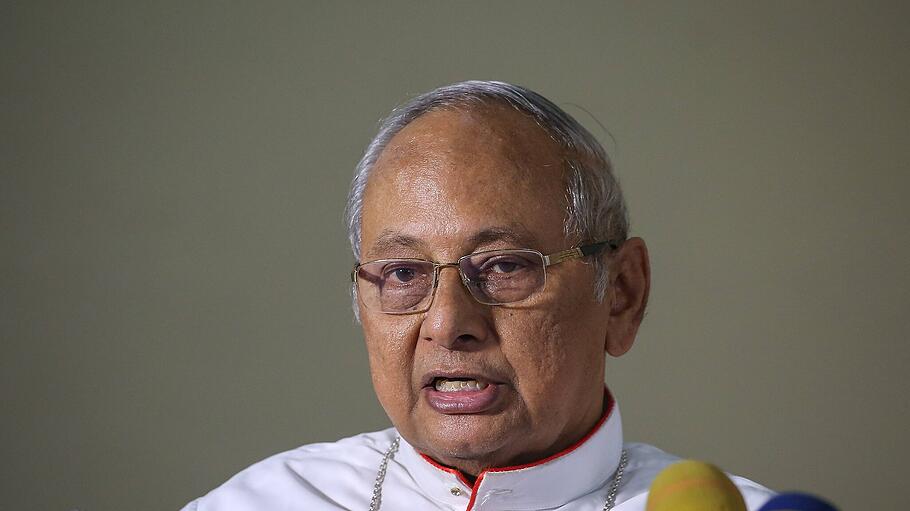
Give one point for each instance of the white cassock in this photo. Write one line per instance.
(341, 476)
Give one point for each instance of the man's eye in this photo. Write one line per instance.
(401, 274)
(504, 267)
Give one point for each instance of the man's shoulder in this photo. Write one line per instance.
(351, 453)
(290, 474)
(646, 461)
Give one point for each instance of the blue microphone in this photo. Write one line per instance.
(796, 501)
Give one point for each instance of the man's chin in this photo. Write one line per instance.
(463, 441)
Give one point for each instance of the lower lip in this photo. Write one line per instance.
(463, 401)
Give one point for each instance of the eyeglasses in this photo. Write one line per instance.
(494, 277)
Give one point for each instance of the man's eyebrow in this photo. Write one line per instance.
(515, 234)
(390, 241)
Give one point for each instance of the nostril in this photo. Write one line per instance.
(466, 338)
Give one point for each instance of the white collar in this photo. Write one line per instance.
(551, 482)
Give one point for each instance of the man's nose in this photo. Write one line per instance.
(455, 319)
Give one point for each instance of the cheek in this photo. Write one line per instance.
(390, 347)
(555, 353)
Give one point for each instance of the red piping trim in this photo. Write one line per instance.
(454, 471)
(608, 410)
(474, 491)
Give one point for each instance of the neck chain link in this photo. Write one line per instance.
(376, 500)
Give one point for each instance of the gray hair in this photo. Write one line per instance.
(596, 210)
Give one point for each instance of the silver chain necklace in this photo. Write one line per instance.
(376, 500)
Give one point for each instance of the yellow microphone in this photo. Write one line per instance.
(694, 486)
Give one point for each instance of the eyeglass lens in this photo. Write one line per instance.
(406, 285)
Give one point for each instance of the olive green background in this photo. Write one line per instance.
(173, 262)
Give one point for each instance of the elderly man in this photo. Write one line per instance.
(493, 274)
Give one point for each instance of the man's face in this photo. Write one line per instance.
(452, 183)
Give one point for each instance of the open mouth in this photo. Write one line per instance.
(443, 384)
(457, 394)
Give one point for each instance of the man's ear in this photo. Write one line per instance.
(630, 282)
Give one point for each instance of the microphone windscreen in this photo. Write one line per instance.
(796, 501)
(694, 486)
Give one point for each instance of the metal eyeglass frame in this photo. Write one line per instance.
(548, 260)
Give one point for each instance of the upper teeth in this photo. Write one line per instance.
(444, 385)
